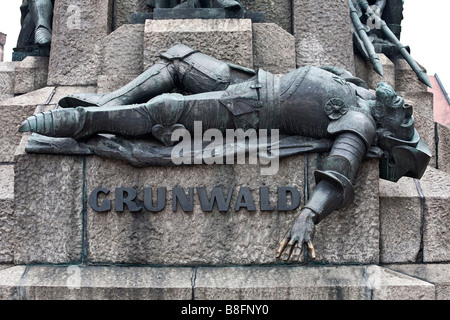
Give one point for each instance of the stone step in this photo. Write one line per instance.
(414, 219)
(443, 147)
(208, 283)
(6, 212)
(437, 274)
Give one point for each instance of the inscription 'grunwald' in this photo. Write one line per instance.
(288, 198)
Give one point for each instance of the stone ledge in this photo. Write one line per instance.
(12, 113)
(435, 187)
(6, 213)
(437, 274)
(230, 283)
(400, 221)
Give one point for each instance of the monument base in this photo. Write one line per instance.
(208, 283)
(196, 13)
(30, 51)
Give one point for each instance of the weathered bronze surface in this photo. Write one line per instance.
(36, 32)
(196, 9)
(377, 28)
(226, 4)
(326, 105)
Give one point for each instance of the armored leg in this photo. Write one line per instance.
(181, 67)
(83, 122)
(41, 12)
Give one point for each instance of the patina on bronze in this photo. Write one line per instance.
(377, 29)
(36, 32)
(196, 9)
(318, 103)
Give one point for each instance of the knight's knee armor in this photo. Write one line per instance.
(180, 68)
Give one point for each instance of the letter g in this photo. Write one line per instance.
(93, 201)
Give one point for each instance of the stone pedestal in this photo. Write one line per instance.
(275, 11)
(168, 237)
(229, 40)
(30, 74)
(260, 45)
(364, 70)
(53, 245)
(6, 80)
(203, 283)
(6, 213)
(322, 30)
(443, 135)
(78, 28)
(122, 57)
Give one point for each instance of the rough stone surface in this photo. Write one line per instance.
(6, 80)
(30, 74)
(308, 283)
(48, 208)
(276, 11)
(322, 30)
(77, 33)
(443, 148)
(400, 221)
(350, 234)
(218, 238)
(122, 57)
(405, 78)
(421, 101)
(5, 266)
(113, 82)
(124, 8)
(437, 274)
(13, 112)
(425, 126)
(195, 238)
(105, 283)
(178, 238)
(229, 40)
(435, 186)
(6, 213)
(9, 279)
(391, 285)
(364, 70)
(208, 283)
(273, 48)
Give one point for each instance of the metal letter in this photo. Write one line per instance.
(160, 202)
(282, 198)
(187, 204)
(245, 200)
(106, 204)
(128, 200)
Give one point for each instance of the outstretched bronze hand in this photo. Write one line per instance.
(301, 233)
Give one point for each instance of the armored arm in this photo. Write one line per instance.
(354, 133)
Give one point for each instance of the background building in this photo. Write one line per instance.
(2, 44)
(441, 103)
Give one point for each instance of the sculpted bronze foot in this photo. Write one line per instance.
(82, 100)
(42, 36)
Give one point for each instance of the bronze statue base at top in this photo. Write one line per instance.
(36, 32)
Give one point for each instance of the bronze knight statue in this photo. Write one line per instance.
(36, 22)
(376, 29)
(226, 4)
(319, 103)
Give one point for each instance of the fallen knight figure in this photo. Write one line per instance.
(314, 102)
